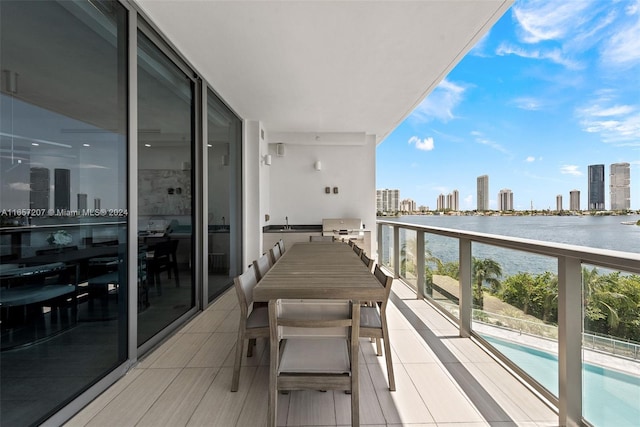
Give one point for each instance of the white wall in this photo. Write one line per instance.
(251, 224)
(297, 190)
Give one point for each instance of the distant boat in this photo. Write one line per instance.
(630, 222)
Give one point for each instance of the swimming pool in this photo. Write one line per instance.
(610, 398)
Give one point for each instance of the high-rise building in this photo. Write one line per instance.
(574, 200)
(388, 200)
(505, 200)
(441, 204)
(620, 187)
(596, 187)
(559, 202)
(453, 201)
(408, 205)
(483, 193)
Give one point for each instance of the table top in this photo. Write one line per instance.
(319, 270)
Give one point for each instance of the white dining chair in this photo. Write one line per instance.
(366, 260)
(262, 265)
(304, 356)
(275, 253)
(254, 321)
(373, 323)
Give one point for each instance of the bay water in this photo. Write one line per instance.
(603, 232)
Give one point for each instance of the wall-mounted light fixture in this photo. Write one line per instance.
(317, 165)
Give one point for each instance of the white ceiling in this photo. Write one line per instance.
(324, 66)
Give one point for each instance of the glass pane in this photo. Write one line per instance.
(63, 195)
(515, 308)
(442, 271)
(165, 181)
(386, 257)
(223, 150)
(408, 257)
(611, 347)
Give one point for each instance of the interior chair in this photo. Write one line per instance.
(314, 352)
(373, 323)
(281, 244)
(254, 321)
(164, 259)
(357, 250)
(351, 243)
(275, 253)
(262, 265)
(321, 238)
(366, 260)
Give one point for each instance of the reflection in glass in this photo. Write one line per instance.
(223, 151)
(63, 145)
(165, 182)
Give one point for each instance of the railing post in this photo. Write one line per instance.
(396, 251)
(420, 265)
(465, 303)
(569, 341)
(380, 244)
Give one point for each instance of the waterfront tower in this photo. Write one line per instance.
(505, 200)
(619, 187)
(574, 200)
(483, 193)
(559, 203)
(596, 187)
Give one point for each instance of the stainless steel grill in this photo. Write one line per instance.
(343, 228)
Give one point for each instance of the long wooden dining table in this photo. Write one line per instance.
(319, 270)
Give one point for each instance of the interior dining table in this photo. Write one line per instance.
(319, 270)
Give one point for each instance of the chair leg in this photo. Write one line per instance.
(387, 355)
(378, 347)
(238, 361)
(252, 343)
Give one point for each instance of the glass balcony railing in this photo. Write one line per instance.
(563, 317)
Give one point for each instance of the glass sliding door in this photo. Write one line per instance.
(165, 190)
(223, 159)
(63, 202)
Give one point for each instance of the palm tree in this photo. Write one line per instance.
(485, 271)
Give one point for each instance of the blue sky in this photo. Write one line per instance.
(552, 88)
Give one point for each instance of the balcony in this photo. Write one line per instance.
(446, 373)
(440, 377)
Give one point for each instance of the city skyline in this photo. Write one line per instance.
(550, 90)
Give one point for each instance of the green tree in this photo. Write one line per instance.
(485, 271)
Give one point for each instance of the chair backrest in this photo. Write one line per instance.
(366, 260)
(281, 245)
(331, 319)
(244, 285)
(357, 250)
(321, 238)
(386, 281)
(262, 265)
(275, 253)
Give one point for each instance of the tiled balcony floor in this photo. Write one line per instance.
(441, 380)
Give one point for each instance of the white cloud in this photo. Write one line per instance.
(528, 103)
(623, 47)
(554, 55)
(422, 144)
(530, 159)
(440, 103)
(615, 123)
(542, 20)
(570, 170)
(481, 139)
